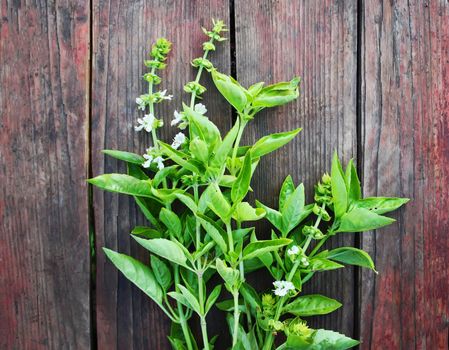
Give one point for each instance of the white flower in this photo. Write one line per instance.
(160, 162)
(178, 140)
(283, 287)
(147, 123)
(177, 120)
(293, 250)
(304, 261)
(149, 160)
(163, 97)
(140, 103)
(200, 108)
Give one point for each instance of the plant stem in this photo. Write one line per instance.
(235, 333)
(198, 76)
(203, 317)
(182, 318)
(237, 143)
(150, 92)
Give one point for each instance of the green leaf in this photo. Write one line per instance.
(146, 232)
(272, 142)
(310, 305)
(161, 272)
(137, 273)
(229, 275)
(178, 157)
(245, 212)
(293, 209)
(126, 156)
(198, 148)
(171, 221)
(214, 231)
(288, 187)
(191, 299)
(339, 192)
(329, 340)
(225, 147)
(352, 256)
(360, 219)
(250, 295)
(213, 296)
(277, 94)
(164, 248)
(321, 340)
(124, 184)
(273, 216)
(322, 264)
(188, 201)
(254, 89)
(380, 205)
(255, 249)
(136, 171)
(231, 90)
(218, 203)
(201, 127)
(352, 182)
(144, 207)
(241, 185)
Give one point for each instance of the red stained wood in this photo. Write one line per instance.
(276, 40)
(44, 246)
(405, 125)
(123, 34)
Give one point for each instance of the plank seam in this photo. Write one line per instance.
(90, 206)
(359, 160)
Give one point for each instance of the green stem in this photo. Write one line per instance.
(235, 333)
(203, 317)
(182, 317)
(198, 76)
(150, 92)
(237, 143)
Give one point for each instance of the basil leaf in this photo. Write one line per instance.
(270, 143)
(165, 249)
(171, 221)
(361, 219)
(213, 296)
(255, 249)
(380, 205)
(310, 305)
(288, 187)
(137, 273)
(352, 182)
(241, 185)
(339, 192)
(231, 90)
(125, 156)
(161, 272)
(352, 256)
(124, 184)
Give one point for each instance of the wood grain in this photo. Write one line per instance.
(44, 246)
(276, 40)
(405, 111)
(123, 34)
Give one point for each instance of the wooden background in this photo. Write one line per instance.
(375, 87)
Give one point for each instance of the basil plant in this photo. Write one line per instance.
(192, 192)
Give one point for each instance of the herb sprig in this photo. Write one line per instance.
(210, 230)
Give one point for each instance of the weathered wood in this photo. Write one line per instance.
(276, 40)
(44, 247)
(123, 34)
(405, 112)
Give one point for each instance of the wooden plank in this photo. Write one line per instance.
(123, 33)
(276, 40)
(44, 247)
(405, 112)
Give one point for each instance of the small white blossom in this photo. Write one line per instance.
(177, 120)
(283, 287)
(293, 250)
(140, 103)
(160, 162)
(163, 97)
(200, 108)
(178, 140)
(147, 123)
(304, 262)
(149, 160)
